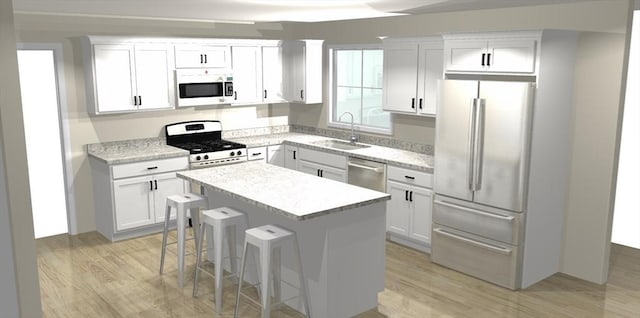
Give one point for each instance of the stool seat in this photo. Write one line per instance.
(224, 221)
(269, 240)
(183, 204)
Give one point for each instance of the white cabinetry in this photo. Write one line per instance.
(130, 198)
(291, 157)
(257, 154)
(322, 164)
(257, 72)
(412, 68)
(276, 155)
(126, 76)
(410, 208)
(203, 56)
(505, 52)
(303, 76)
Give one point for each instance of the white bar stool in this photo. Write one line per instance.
(269, 240)
(224, 222)
(181, 203)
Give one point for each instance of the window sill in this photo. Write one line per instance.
(360, 129)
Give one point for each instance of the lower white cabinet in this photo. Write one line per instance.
(257, 154)
(130, 199)
(291, 157)
(410, 209)
(322, 171)
(275, 155)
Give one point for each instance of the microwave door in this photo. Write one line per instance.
(200, 90)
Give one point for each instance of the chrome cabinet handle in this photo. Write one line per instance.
(490, 215)
(374, 169)
(471, 141)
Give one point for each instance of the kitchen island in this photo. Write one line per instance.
(340, 228)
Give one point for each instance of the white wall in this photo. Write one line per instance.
(597, 93)
(626, 217)
(20, 281)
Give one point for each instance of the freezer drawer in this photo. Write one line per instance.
(491, 223)
(488, 260)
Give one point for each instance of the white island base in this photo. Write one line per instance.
(342, 254)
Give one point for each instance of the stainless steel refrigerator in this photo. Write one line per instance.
(483, 133)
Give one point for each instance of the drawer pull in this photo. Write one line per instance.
(256, 154)
(490, 215)
(410, 177)
(497, 249)
(152, 168)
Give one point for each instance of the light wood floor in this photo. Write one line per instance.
(87, 276)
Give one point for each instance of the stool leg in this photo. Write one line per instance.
(195, 221)
(277, 274)
(198, 260)
(241, 278)
(167, 217)
(303, 282)
(180, 217)
(219, 278)
(265, 263)
(233, 254)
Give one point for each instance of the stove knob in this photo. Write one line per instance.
(239, 152)
(232, 154)
(197, 157)
(206, 157)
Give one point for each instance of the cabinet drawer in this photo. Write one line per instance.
(421, 179)
(491, 261)
(503, 227)
(324, 158)
(149, 167)
(258, 153)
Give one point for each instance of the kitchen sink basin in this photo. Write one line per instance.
(337, 144)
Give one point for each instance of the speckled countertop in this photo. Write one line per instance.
(396, 157)
(307, 196)
(118, 152)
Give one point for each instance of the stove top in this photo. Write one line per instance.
(209, 146)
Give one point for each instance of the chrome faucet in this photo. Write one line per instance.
(353, 137)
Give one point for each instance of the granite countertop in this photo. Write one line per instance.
(118, 152)
(307, 196)
(397, 157)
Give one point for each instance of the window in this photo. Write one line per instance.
(356, 87)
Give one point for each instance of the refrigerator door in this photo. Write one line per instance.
(502, 144)
(454, 138)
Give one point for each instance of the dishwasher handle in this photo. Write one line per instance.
(361, 166)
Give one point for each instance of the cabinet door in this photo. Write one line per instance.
(165, 185)
(154, 76)
(272, 79)
(465, 55)
(189, 56)
(114, 77)
(216, 56)
(295, 62)
(333, 173)
(312, 90)
(275, 155)
(400, 77)
(512, 56)
(308, 167)
(398, 208)
(247, 74)
(422, 201)
(430, 70)
(133, 202)
(291, 157)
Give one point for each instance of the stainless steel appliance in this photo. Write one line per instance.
(483, 133)
(204, 141)
(204, 87)
(367, 174)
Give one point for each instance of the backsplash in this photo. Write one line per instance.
(368, 139)
(248, 132)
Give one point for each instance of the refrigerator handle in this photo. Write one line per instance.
(479, 152)
(472, 138)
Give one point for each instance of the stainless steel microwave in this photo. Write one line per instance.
(196, 87)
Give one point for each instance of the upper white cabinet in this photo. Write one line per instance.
(412, 68)
(203, 56)
(500, 52)
(125, 77)
(272, 74)
(303, 71)
(247, 74)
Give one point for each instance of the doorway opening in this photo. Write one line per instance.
(42, 90)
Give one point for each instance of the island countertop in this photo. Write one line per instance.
(283, 191)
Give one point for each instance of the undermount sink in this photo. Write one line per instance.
(337, 144)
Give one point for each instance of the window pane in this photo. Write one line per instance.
(372, 68)
(348, 100)
(349, 67)
(372, 113)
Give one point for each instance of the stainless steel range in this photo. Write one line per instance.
(204, 141)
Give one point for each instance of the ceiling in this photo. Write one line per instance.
(248, 11)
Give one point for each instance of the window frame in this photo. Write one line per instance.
(331, 89)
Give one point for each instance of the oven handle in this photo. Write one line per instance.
(497, 249)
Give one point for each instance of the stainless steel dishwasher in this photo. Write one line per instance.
(367, 174)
